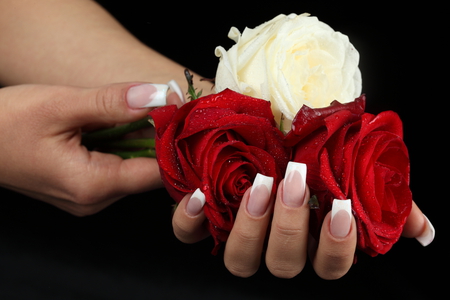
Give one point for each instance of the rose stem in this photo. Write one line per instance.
(133, 154)
(92, 138)
(128, 143)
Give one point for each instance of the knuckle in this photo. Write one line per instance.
(288, 234)
(245, 236)
(105, 99)
(286, 231)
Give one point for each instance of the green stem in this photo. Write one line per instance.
(191, 90)
(93, 138)
(133, 154)
(128, 143)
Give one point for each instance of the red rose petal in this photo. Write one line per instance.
(218, 143)
(355, 155)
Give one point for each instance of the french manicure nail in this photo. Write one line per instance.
(196, 203)
(428, 235)
(173, 85)
(259, 195)
(341, 212)
(147, 95)
(294, 184)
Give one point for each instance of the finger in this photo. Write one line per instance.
(98, 177)
(117, 176)
(138, 175)
(244, 246)
(188, 219)
(418, 226)
(112, 104)
(175, 98)
(287, 247)
(337, 243)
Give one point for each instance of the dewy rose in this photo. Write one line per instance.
(218, 143)
(291, 60)
(355, 155)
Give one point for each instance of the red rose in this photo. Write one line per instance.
(359, 156)
(218, 143)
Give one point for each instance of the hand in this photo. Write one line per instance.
(288, 243)
(41, 151)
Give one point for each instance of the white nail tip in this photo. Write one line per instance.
(428, 236)
(200, 196)
(158, 98)
(263, 180)
(295, 166)
(339, 205)
(173, 85)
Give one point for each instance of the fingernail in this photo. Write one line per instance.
(259, 195)
(196, 203)
(341, 213)
(147, 95)
(173, 85)
(428, 235)
(294, 184)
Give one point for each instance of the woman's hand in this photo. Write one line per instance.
(41, 151)
(288, 242)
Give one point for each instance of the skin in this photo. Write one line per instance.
(89, 49)
(46, 161)
(62, 80)
(288, 245)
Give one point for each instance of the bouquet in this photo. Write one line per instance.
(288, 90)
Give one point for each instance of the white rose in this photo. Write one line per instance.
(291, 60)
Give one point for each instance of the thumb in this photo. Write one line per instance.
(117, 103)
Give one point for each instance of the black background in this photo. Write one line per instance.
(128, 251)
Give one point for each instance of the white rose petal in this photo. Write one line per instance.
(290, 60)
